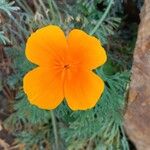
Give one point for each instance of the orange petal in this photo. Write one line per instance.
(46, 45)
(86, 49)
(82, 89)
(44, 87)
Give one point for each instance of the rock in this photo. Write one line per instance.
(137, 117)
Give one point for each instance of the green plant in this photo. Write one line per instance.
(7, 8)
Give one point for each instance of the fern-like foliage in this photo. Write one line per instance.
(90, 16)
(7, 8)
(3, 38)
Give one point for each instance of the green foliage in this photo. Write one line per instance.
(20, 64)
(33, 115)
(102, 23)
(99, 128)
(3, 38)
(7, 8)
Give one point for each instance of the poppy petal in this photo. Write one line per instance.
(87, 49)
(44, 87)
(82, 89)
(46, 45)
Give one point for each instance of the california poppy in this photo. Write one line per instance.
(64, 69)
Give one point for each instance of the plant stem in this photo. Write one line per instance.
(124, 136)
(102, 18)
(55, 129)
(57, 10)
(51, 9)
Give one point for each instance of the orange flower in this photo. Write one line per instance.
(64, 69)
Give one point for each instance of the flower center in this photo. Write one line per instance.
(66, 66)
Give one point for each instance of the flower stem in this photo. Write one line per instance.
(55, 130)
(102, 18)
